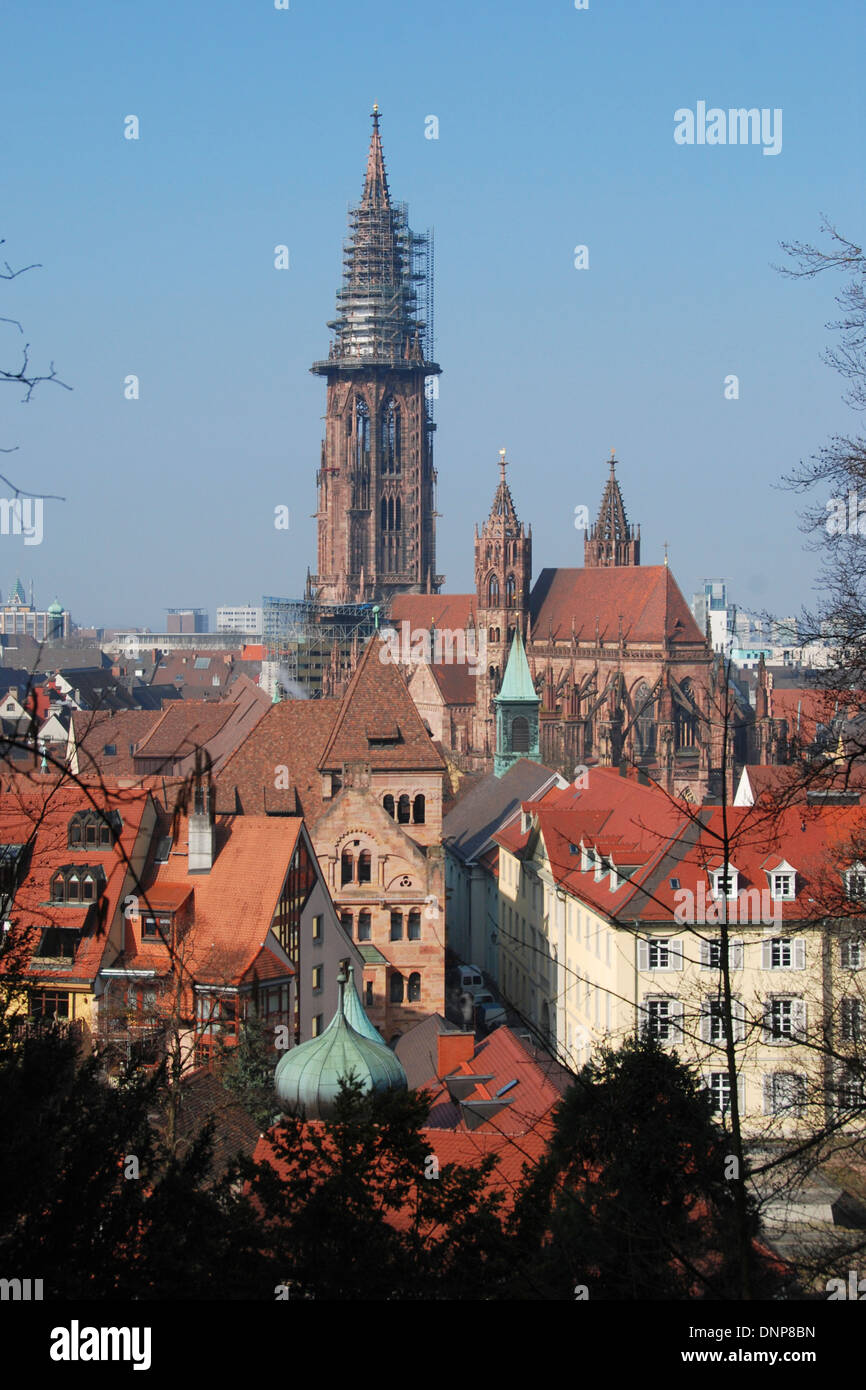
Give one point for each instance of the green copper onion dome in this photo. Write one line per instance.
(308, 1077)
(354, 1011)
(55, 609)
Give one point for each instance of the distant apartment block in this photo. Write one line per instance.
(241, 618)
(186, 620)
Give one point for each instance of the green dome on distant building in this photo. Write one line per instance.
(307, 1078)
(56, 609)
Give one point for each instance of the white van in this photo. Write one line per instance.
(469, 978)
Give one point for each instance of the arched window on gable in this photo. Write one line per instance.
(88, 888)
(414, 993)
(403, 810)
(388, 804)
(72, 888)
(58, 889)
(418, 808)
(364, 866)
(396, 988)
(346, 868)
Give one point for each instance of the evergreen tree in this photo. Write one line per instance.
(635, 1199)
(358, 1208)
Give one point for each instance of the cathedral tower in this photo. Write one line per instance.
(503, 576)
(376, 527)
(611, 541)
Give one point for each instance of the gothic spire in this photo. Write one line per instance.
(375, 193)
(502, 512)
(612, 541)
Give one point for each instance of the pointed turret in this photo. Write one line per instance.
(612, 541)
(517, 706)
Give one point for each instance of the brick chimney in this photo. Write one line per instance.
(452, 1049)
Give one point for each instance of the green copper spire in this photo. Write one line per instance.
(517, 707)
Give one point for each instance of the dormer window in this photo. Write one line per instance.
(87, 829)
(585, 858)
(855, 881)
(77, 883)
(724, 881)
(783, 882)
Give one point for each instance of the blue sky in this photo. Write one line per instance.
(555, 129)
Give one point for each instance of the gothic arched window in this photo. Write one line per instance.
(645, 729)
(493, 592)
(520, 734)
(510, 591)
(362, 434)
(390, 437)
(685, 720)
(388, 804)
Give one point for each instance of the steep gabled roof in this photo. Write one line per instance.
(646, 597)
(378, 722)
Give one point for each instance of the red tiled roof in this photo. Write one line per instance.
(291, 734)
(445, 610)
(456, 683)
(378, 699)
(502, 1057)
(95, 730)
(646, 596)
(235, 902)
(38, 812)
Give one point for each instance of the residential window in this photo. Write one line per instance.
(716, 1021)
(364, 866)
(784, 1020)
(48, 1003)
(414, 993)
(318, 927)
(852, 955)
(396, 926)
(659, 953)
(851, 1094)
(720, 1090)
(711, 954)
(346, 922)
(414, 932)
(855, 882)
(662, 1019)
(784, 1093)
(780, 953)
(852, 1020)
(364, 925)
(783, 885)
(368, 993)
(318, 978)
